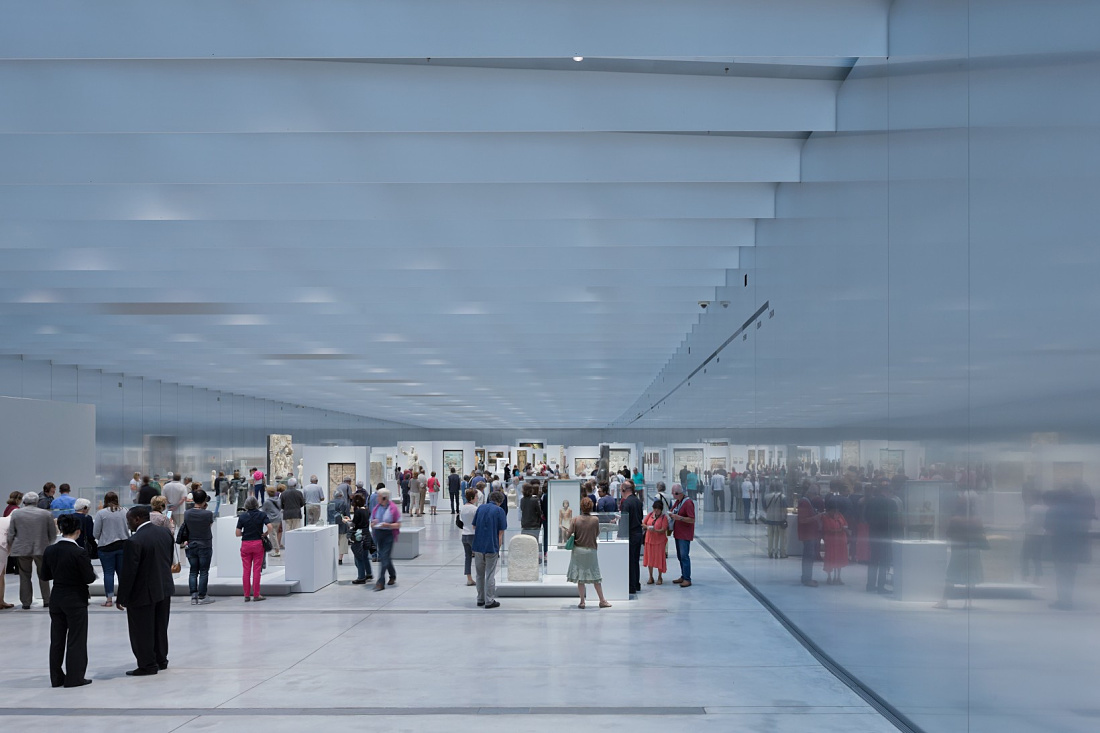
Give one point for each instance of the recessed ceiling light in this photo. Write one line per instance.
(578, 58)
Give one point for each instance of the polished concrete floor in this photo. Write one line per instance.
(421, 656)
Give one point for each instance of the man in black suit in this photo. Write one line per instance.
(145, 590)
(68, 566)
(632, 509)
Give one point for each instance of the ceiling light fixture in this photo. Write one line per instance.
(578, 59)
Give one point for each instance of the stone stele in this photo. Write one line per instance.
(523, 559)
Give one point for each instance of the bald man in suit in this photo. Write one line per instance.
(145, 590)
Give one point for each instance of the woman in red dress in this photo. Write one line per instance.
(656, 539)
(835, 529)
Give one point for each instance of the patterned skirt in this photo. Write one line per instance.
(584, 567)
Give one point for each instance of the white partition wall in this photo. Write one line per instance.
(316, 460)
(42, 440)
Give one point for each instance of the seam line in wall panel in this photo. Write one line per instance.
(888, 711)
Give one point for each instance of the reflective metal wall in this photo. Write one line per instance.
(934, 283)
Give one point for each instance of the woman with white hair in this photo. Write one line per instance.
(87, 528)
(385, 521)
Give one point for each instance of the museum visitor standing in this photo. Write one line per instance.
(385, 522)
(30, 531)
(111, 532)
(466, 524)
(197, 536)
(251, 528)
(584, 565)
(359, 538)
(682, 516)
(656, 542)
(490, 522)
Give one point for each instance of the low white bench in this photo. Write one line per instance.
(407, 546)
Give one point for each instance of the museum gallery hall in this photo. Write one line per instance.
(718, 365)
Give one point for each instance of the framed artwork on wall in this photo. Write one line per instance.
(583, 467)
(521, 458)
(280, 457)
(452, 459)
(617, 458)
(336, 474)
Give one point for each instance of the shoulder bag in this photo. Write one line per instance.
(184, 534)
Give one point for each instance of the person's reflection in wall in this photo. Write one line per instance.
(966, 533)
(1067, 525)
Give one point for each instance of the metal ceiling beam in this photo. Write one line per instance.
(390, 201)
(264, 158)
(326, 96)
(97, 244)
(452, 28)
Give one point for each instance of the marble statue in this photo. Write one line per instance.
(300, 472)
(523, 559)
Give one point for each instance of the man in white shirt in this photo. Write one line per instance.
(135, 486)
(314, 496)
(718, 492)
(175, 493)
(748, 492)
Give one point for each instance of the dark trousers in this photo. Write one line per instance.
(68, 642)
(747, 505)
(809, 554)
(26, 591)
(636, 540)
(362, 560)
(148, 626)
(456, 501)
(405, 500)
(199, 560)
(878, 564)
(384, 539)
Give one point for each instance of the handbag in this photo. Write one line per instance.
(266, 542)
(459, 523)
(569, 543)
(176, 567)
(183, 535)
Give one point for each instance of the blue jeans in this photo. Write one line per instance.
(111, 562)
(683, 550)
(362, 560)
(384, 539)
(199, 560)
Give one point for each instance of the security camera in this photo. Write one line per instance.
(725, 304)
(703, 304)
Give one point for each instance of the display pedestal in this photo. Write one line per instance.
(407, 546)
(310, 557)
(919, 569)
(794, 545)
(227, 547)
(557, 561)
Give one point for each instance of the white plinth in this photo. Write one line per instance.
(614, 567)
(407, 546)
(227, 547)
(919, 570)
(557, 561)
(794, 545)
(310, 557)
